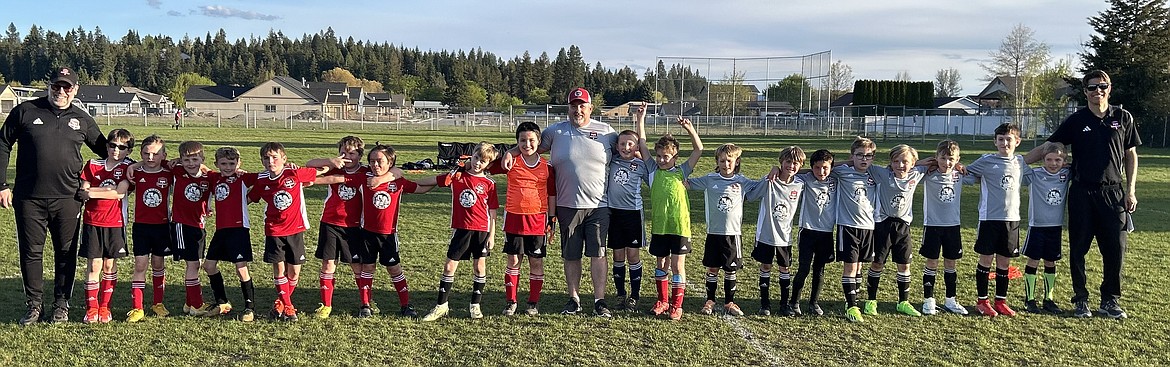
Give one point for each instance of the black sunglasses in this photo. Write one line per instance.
(1101, 86)
(119, 146)
(61, 87)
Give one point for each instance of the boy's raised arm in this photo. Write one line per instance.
(696, 143)
(640, 127)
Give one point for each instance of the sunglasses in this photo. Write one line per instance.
(119, 146)
(1101, 86)
(62, 87)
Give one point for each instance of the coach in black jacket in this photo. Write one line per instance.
(50, 131)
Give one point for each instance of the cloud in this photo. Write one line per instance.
(154, 3)
(217, 11)
(174, 13)
(951, 56)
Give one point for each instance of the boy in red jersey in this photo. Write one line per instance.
(285, 221)
(152, 236)
(341, 220)
(232, 241)
(188, 212)
(473, 210)
(527, 217)
(103, 237)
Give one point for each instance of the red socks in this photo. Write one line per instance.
(91, 294)
(194, 293)
(157, 280)
(327, 289)
(535, 283)
(136, 289)
(400, 287)
(511, 278)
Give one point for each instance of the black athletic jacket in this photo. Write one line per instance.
(48, 160)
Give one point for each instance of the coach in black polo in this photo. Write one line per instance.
(1104, 144)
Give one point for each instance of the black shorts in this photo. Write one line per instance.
(334, 242)
(1043, 243)
(375, 246)
(816, 243)
(723, 251)
(663, 245)
(767, 254)
(231, 245)
(997, 237)
(286, 249)
(189, 242)
(583, 231)
(947, 240)
(102, 242)
(854, 245)
(153, 239)
(529, 245)
(467, 245)
(891, 238)
(626, 229)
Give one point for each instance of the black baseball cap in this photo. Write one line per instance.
(64, 75)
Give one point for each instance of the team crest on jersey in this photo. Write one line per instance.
(288, 183)
(192, 192)
(74, 124)
(593, 135)
(221, 192)
(392, 187)
(1006, 182)
(725, 204)
(621, 176)
(946, 194)
(780, 212)
(108, 183)
(898, 202)
(467, 198)
(831, 183)
(381, 200)
(1054, 197)
(634, 166)
(282, 200)
(869, 181)
(162, 183)
(1063, 177)
(118, 174)
(152, 197)
(792, 195)
(346, 192)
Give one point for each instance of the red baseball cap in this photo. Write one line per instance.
(579, 94)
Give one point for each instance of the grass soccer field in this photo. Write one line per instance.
(626, 339)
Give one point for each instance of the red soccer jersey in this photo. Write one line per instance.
(471, 197)
(150, 196)
(343, 203)
(380, 204)
(231, 200)
(189, 204)
(284, 199)
(105, 212)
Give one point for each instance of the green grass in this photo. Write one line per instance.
(627, 339)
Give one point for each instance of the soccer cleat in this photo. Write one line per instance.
(202, 310)
(60, 315)
(219, 310)
(1051, 307)
(659, 308)
(438, 312)
(135, 315)
(532, 310)
(365, 312)
(984, 307)
(786, 310)
(510, 309)
(869, 308)
(795, 307)
(952, 305)
(91, 316)
(408, 311)
(765, 311)
(1081, 309)
(322, 312)
(600, 309)
(374, 307)
(676, 313)
(708, 308)
(290, 313)
(631, 304)
(1032, 306)
(277, 310)
(1002, 308)
(732, 309)
(31, 317)
(104, 315)
(476, 313)
(160, 310)
(853, 314)
(907, 309)
(248, 316)
(572, 307)
(815, 310)
(929, 307)
(621, 303)
(1112, 310)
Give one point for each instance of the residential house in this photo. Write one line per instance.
(11, 96)
(430, 106)
(280, 97)
(626, 110)
(152, 103)
(108, 100)
(219, 100)
(955, 106)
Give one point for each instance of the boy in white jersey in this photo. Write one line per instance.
(1000, 176)
(856, 195)
(723, 193)
(896, 185)
(942, 190)
(1045, 218)
(818, 215)
(778, 201)
(627, 234)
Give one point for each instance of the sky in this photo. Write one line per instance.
(877, 39)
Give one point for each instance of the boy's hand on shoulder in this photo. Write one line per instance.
(961, 168)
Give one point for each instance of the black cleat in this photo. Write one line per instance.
(795, 307)
(601, 310)
(815, 309)
(1051, 307)
(786, 310)
(408, 311)
(1032, 307)
(60, 315)
(366, 312)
